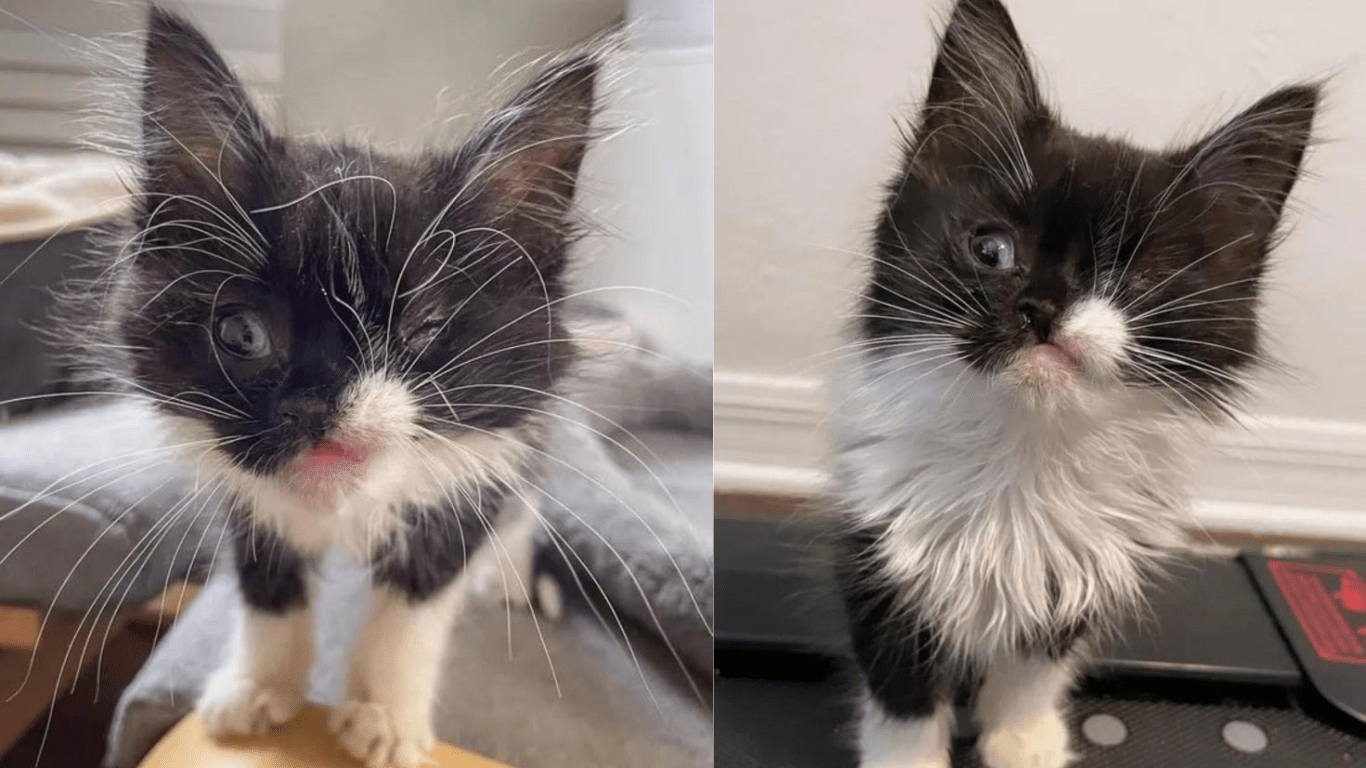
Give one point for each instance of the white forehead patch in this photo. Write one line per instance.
(1096, 332)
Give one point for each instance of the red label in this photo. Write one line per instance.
(1329, 602)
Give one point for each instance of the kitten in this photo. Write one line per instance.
(1053, 325)
(360, 350)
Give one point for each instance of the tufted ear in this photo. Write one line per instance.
(982, 84)
(521, 166)
(1251, 163)
(198, 125)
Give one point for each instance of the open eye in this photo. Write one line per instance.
(241, 332)
(994, 248)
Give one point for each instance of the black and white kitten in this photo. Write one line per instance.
(1053, 325)
(358, 348)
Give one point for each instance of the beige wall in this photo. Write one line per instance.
(376, 67)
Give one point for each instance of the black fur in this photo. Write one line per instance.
(270, 574)
(429, 552)
(894, 648)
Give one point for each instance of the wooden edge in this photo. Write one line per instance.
(19, 625)
(304, 742)
(31, 678)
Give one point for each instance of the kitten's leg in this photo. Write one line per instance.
(906, 716)
(508, 573)
(1020, 709)
(888, 740)
(386, 719)
(263, 680)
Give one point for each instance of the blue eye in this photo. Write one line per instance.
(994, 248)
(241, 332)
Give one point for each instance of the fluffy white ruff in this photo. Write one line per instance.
(406, 467)
(889, 742)
(1020, 502)
(1020, 712)
(262, 682)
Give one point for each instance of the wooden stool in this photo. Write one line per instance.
(304, 742)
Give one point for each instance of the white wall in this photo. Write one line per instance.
(806, 137)
(374, 69)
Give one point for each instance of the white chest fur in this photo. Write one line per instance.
(1006, 521)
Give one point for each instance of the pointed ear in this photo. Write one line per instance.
(982, 80)
(197, 121)
(1251, 163)
(523, 163)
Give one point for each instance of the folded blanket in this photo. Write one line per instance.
(41, 196)
(92, 512)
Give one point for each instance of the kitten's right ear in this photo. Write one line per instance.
(198, 123)
(520, 169)
(982, 85)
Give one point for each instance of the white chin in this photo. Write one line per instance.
(1044, 382)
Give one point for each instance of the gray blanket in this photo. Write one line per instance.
(94, 517)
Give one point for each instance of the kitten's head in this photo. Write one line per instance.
(1056, 262)
(315, 303)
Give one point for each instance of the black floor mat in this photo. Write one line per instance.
(787, 724)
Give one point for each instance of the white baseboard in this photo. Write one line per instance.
(1298, 477)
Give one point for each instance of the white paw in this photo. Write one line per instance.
(505, 587)
(891, 761)
(235, 705)
(1040, 743)
(381, 737)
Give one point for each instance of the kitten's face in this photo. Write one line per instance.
(313, 305)
(1057, 262)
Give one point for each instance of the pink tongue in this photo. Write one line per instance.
(331, 451)
(1053, 355)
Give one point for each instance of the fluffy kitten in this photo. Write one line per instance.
(1053, 324)
(358, 348)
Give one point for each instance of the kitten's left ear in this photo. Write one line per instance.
(1253, 161)
(522, 165)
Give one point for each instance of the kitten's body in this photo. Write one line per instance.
(359, 351)
(1053, 325)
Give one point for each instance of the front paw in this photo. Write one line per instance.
(236, 705)
(381, 736)
(920, 761)
(1040, 743)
